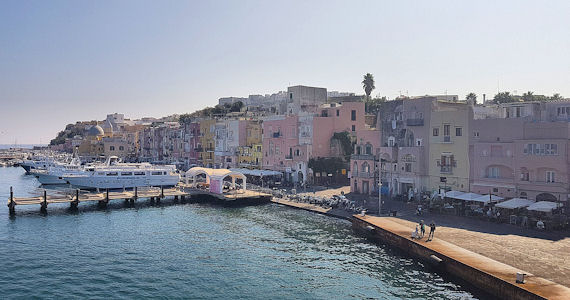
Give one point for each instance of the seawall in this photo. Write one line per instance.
(491, 276)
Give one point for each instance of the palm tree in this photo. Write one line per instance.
(368, 84)
(528, 96)
(556, 97)
(472, 96)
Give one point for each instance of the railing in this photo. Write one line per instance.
(447, 139)
(415, 122)
(288, 157)
(362, 157)
(446, 169)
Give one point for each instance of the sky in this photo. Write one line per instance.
(64, 61)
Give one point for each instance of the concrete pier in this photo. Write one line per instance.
(491, 276)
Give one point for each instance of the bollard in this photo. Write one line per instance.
(107, 196)
(136, 194)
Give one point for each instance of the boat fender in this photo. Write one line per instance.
(370, 228)
(435, 260)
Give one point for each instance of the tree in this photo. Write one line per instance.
(503, 97)
(528, 96)
(372, 106)
(556, 97)
(184, 119)
(368, 84)
(236, 106)
(472, 96)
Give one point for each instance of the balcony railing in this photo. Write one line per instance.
(447, 139)
(288, 157)
(362, 157)
(415, 122)
(446, 169)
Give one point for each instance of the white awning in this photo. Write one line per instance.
(453, 194)
(472, 197)
(544, 206)
(257, 173)
(514, 203)
(486, 198)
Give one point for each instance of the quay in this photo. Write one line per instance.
(181, 193)
(491, 276)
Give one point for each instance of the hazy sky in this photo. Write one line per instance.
(62, 61)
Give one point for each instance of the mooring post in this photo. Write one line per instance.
(11, 203)
(43, 208)
(107, 196)
(75, 202)
(161, 191)
(136, 193)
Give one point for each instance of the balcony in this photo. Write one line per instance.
(447, 139)
(363, 175)
(276, 134)
(362, 157)
(446, 169)
(288, 157)
(415, 122)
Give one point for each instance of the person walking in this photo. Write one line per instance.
(431, 231)
(422, 228)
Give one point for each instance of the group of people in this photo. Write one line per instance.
(422, 231)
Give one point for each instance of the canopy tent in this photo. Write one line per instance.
(471, 197)
(453, 194)
(257, 173)
(215, 177)
(486, 198)
(514, 203)
(543, 206)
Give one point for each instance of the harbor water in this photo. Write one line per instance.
(199, 252)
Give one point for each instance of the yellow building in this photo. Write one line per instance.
(448, 165)
(207, 142)
(250, 155)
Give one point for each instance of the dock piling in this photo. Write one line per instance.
(11, 203)
(43, 208)
(161, 191)
(73, 204)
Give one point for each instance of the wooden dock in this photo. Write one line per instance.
(177, 193)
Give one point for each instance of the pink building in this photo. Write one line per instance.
(518, 158)
(364, 162)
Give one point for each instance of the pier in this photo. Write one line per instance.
(180, 193)
(491, 276)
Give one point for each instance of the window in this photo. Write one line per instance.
(353, 115)
(368, 149)
(436, 132)
(408, 167)
(493, 172)
(353, 128)
(337, 113)
(419, 142)
(156, 173)
(112, 174)
(126, 173)
(524, 174)
(518, 112)
(139, 173)
(121, 148)
(446, 130)
(458, 131)
(476, 133)
(111, 148)
(290, 95)
(391, 141)
(550, 176)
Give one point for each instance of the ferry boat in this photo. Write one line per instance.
(116, 175)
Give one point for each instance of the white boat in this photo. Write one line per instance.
(116, 175)
(31, 165)
(53, 174)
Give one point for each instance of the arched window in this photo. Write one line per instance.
(365, 167)
(355, 168)
(357, 150)
(368, 149)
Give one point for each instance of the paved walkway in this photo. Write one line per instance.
(535, 284)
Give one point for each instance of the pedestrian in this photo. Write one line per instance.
(431, 231)
(422, 228)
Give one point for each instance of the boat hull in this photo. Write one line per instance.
(120, 182)
(49, 179)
